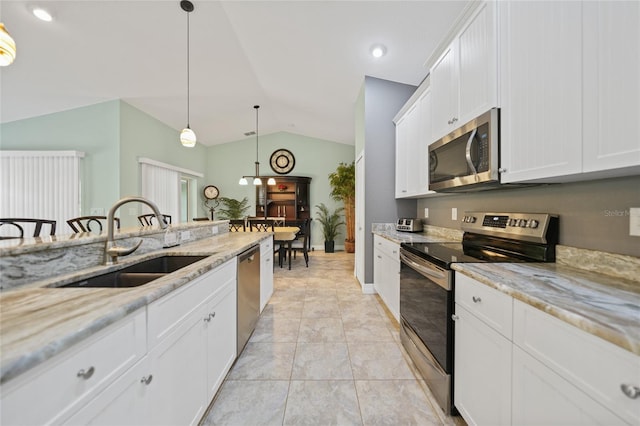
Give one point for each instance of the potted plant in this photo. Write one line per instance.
(343, 188)
(233, 209)
(330, 223)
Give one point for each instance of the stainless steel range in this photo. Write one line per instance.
(427, 284)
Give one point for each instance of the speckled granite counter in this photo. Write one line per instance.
(39, 322)
(605, 306)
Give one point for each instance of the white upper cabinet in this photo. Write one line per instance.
(413, 132)
(569, 90)
(612, 85)
(541, 89)
(464, 78)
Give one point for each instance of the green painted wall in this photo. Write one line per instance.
(315, 158)
(93, 130)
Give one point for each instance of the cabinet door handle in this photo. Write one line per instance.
(209, 317)
(631, 391)
(86, 374)
(379, 257)
(146, 379)
(476, 299)
(455, 317)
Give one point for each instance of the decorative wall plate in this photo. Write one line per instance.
(282, 161)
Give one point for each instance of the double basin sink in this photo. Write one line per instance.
(137, 274)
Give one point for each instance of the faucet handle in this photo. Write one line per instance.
(122, 251)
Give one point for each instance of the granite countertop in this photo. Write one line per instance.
(40, 321)
(416, 237)
(604, 306)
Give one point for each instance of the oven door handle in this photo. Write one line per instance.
(439, 277)
(468, 153)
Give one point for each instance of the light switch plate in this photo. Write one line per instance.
(634, 221)
(454, 213)
(214, 230)
(426, 213)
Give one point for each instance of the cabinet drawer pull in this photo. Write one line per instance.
(631, 391)
(476, 299)
(208, 318)
(86, 374)
(146, 379)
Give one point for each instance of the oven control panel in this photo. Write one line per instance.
(535, 227)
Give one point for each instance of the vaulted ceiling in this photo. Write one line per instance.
(302, 61)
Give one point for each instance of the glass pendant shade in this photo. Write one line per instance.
(7, 47)
(187, 138)
(257, 181)
(243, 181)
(271, 181)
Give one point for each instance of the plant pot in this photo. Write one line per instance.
(328, 246)
(349, 246)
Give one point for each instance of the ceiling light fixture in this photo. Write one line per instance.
(7, 47)
(42, 14)
(187, 136)
(256, 178)
(378, 50)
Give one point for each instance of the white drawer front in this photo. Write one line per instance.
(56, 389)
(166, 313)
(266, 246)
(594, 365)
(387, 247)
(488, 304)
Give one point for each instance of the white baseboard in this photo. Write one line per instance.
(368, 288)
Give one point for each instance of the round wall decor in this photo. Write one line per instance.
(282, 161)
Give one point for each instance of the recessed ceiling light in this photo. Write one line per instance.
(378, 50)
(42, 14)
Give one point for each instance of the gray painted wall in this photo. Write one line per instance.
(382, 101)
(593, 215)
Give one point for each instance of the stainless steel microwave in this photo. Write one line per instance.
(467, 158)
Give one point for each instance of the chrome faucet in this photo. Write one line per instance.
(112, 251)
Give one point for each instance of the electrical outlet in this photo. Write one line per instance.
(171, 239)
(454, 213)
(426, 213)
(185, 235)
(634, 221)
(214, 230)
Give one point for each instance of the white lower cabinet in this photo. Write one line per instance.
(542, 397)
(266, 272)
(386, 273)
(515, 364)
(482, 364)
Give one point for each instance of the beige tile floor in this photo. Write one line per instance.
(323, 353)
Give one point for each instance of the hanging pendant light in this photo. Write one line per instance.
(187, 136)
(256, 178)
(7, 47)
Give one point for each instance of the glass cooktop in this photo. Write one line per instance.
(444, 254)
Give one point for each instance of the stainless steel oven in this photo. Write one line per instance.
(427, 285)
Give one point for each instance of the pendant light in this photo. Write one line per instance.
(187, 136)
(256, 178)
(7, 47)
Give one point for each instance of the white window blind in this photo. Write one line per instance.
(41, 185)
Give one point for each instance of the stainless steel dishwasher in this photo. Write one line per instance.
(248, 294)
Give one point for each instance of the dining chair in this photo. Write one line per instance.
(300, 244)
(147, 219)
(237, 225)
(19, 224)
(90, 223)
(261, 225)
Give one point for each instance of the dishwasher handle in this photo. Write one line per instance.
(249, 254)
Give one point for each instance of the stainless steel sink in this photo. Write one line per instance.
(137, 274)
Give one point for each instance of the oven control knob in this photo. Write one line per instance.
(522, 223)
(472, 219)
(513, 222)
(533, 223)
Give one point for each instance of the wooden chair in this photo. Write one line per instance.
(18, 226)
(147, 219)
(300, 244)
(237, 225)
(90, 223)
(261, 225)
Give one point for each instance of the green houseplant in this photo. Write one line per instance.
(233, 209)
(330, 222)
(343, 188)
